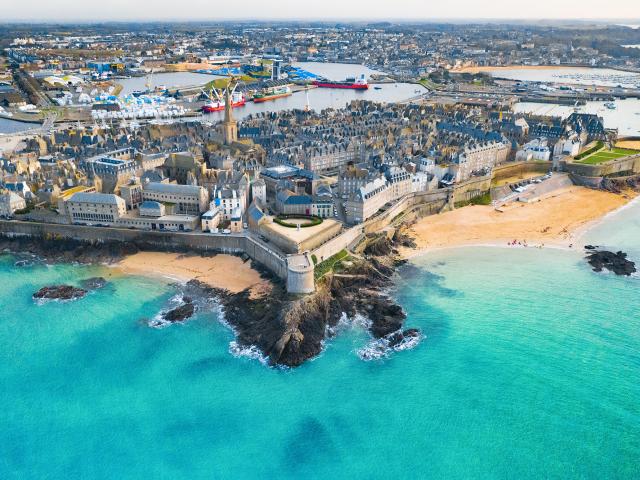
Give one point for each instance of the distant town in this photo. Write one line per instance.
(218, 138)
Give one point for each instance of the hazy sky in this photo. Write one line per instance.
(102, 10)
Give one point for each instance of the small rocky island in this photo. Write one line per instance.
(60, 292)
(617, 262)
(181, 312)
(69, 292)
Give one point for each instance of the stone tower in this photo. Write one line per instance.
(229, 126)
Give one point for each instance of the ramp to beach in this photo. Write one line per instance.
(540, 190)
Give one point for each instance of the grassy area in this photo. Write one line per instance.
(330, 263)
(310, 221)
(598, 146)
(603, 156)
(219, 83)
(427, 83)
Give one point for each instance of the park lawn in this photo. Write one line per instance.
(625, 151)
(603, 156)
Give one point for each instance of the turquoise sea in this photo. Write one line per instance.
(530, 368)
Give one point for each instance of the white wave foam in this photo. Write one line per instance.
(44, 301)
(380, 349)
(347, 323)
(252, 352)
(158, 320)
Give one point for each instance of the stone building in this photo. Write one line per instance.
(95, 208)
(187, 199)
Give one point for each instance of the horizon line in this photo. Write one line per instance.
(82, 21)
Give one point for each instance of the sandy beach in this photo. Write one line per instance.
(555, 221)
(220, 271)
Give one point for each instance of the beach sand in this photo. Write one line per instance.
(220, 271)
(633, 144)
(557, 220)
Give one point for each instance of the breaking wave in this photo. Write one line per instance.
(252, 352)
(382, 348)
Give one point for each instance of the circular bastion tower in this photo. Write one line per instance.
(300, 270)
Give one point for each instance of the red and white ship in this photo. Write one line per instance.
(352, 83)
(217, 104)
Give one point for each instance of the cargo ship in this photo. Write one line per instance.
(352, 83)
(217, 104)
(272, 94)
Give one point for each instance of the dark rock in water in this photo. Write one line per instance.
(60, 292)
(614, 262)
(180, 313)
(386, 317)
(93, 283)
(590, 247)
(396, 338)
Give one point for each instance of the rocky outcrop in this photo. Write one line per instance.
(68, 250)
(398, 337)
(180, 313)
(614, 262)
(59, 292)
(289, 330)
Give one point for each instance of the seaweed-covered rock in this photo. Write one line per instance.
(59, 292)
(180, 314)
(614, 262)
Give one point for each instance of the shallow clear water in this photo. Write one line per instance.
(529, 369)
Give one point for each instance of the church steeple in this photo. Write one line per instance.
(229, 125)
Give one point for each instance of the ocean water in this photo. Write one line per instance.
(529, 368)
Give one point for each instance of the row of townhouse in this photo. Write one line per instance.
(370, 198)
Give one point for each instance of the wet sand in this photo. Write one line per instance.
(557, 220)
(220, 271)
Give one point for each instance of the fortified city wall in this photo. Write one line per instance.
(164, 241)
(629, 164)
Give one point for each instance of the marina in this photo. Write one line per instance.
(570, 75)
(623, 117)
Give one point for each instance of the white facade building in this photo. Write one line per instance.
(536, 149)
